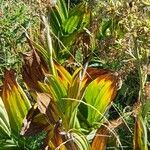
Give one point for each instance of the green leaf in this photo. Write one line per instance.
(15, 101)
(140, 134)
(57, 16)
(106, 26)
(4, 120)
(70, 25)
(8, 145)
(78, 17)
(99, 94)
(146, 108)
(62, 9)
(80, 140)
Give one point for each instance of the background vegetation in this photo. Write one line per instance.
(54, 46)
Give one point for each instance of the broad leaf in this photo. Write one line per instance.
(100, 140)
(48, 107)
(100, 93)
(4, 120)
(63, 75)
(15, 101)
(63, 140)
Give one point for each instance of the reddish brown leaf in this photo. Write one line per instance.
(103, 133)
(59, 139)
(100, 141)
(47, 106)
(42, 116)
(10, 79)
(34, 69)
(34, 123)
(93, 73)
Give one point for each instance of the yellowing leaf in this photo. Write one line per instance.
(4, 120)
(100, 140)
(140, 134)
(103, 133)
(99, 94)
(63, 75)
(15, 101)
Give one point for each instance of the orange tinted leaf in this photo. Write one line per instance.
(99, 93)
(15, 101)
(93, 73)
(63, 75)
(140, 134)
(103, 133)
(100, 140)
(59, 139)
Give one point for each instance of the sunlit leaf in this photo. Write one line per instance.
(15, 101)
(63, 75)
(103, 133)
(99, 93)
(140, 134)
(4, 120)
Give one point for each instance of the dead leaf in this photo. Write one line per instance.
(103, 133)
(34, 69)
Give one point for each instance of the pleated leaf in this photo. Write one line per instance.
(4, 120)
(15, 101)
(99, 94)
(140, 134)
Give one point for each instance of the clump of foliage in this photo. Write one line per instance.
(15, 19)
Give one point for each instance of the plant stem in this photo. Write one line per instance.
(50, 48)
(140, 71)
